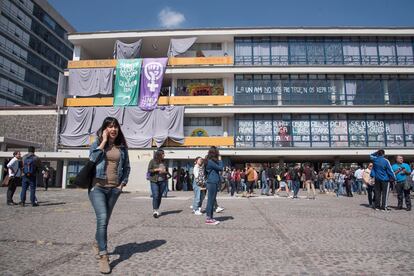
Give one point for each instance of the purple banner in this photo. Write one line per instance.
(152, 73)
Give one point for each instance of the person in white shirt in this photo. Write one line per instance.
(15, 174)
(359, 173)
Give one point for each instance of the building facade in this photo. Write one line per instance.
(34, 50)
(270, 95)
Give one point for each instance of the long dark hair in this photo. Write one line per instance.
(158, 156)
(213, 154)
(120, 139)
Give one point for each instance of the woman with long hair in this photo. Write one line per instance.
(213, 168)
(199, 183)
(110, 154)
(158, 176)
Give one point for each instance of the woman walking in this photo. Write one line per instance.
(110, 154)
(158, 176)
(213, 168)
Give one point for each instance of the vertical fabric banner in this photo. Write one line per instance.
(127, 80)
(151, 81)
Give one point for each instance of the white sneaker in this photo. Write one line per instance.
(219, 209)
(191, 207)
(198, 213)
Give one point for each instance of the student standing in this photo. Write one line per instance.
(15, 176)
(213, 168)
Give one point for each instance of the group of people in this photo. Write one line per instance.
(23, 171)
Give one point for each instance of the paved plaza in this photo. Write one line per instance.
(257, 236)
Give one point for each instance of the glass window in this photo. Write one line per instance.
(376, 132)
(243, 51)
(282, 131)
(244, 133)
(333, 51)
(280, 51)
(407, 91)
(391, 87)
(369, 52)
(409, 131)
(351, 52)
(315, 51)
(394, 132)
(320, 133)
(387, 52)
(263, 131)
(339, 130)
(357, 132)
(404, 52)
(261, 51)
(301, 132)
(297, 51)
(318, 90)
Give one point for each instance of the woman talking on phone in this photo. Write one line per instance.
(110, 154)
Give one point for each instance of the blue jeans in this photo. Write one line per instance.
(265, 187)
(157, 188)
(166, 190)
(198, 196)
(211, 199)
(103, 201)
(296, 187)
(359, 185)
(26, 183)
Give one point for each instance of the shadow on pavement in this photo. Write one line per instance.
(51, 203)
(224, 218)
(166, 213)
(126, 251)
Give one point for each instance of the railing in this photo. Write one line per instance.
(219, 141)
(177, 100)
(184, 61)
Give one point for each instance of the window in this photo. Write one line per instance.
(409, 130)
(404, 48)
(394, 131)
(301, 131)
(298, 51)
(243, 51)
(244, 132)
(280, 51)
(263, 131)
(387, 52)
(357, 131)
(320, 130)
(261, 51)
(315, 51)
(351, 51)
(369, 52)
(199, 87)
(333, 51)
(338, 130)
(375, 131)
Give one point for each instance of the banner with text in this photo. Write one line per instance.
(151, 81)
(127, 80)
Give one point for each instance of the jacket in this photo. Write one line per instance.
(382, 170)
(213, 171)
(98, 156)
(153, 176)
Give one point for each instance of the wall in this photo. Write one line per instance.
(39, 129)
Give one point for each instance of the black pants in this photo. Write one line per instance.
(348, 188)
(401, 194)
(381, 193)
(45, 183)
(13, 182)
(250, 185)
(233, 187)
(371, 194)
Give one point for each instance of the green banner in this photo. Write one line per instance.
(127, 80)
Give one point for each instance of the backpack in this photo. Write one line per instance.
(29, 166)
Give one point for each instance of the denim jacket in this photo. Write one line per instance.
(213, 171)
(98, 156)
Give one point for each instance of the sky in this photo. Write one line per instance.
(106, 15)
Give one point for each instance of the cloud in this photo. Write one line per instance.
(169, 18)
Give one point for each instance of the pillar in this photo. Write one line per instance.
(64, 173)
(1, 169)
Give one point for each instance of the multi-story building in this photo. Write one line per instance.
(272, 95)
(34, 49)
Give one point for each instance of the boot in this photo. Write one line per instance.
(104, 267)
(95, 249)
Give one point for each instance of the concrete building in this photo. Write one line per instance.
(34, 50)
(265, 95)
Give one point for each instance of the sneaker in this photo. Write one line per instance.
(219, 209)
(198, 213)
(155, 214)
(35, 204)
(191, 207)
(212, 222)
(22, 204)
(104, 267)
(408, 208)
(95, 249)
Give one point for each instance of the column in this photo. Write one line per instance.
(77, 52)
(173, 86)
(1, 169)
(170, 170)
(386, 92)
(64, 173)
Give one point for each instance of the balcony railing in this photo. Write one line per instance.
(177, 100)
